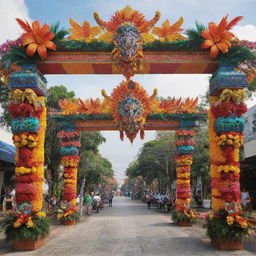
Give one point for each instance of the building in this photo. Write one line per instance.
(7, 158)
(250, 134)
(248, 158)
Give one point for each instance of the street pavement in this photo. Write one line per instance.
(128, 229)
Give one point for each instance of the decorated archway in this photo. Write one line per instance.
(129, 44)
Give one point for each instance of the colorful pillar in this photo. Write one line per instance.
(185, 148)
(226, 137)
(69, 150)
(27, 108)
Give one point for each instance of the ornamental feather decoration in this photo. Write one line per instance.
(130, 105)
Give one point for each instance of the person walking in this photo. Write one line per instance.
(244, 198)
(88, 204)
(110, 199)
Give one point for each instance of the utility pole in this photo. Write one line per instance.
(81, 197)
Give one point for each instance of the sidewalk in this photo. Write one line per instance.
(198, 232)
(55, 230)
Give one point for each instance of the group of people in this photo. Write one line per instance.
(92, 199)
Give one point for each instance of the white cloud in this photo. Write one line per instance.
(247, 32)
(9, 10)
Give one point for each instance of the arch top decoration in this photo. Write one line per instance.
(128, 44)
(130, 110)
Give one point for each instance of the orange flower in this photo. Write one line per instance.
(37, 38)
(68, 106)
(218, 36)
(84, 32)
(127, 16)
(169, 32)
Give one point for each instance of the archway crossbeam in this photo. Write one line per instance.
(130, 110)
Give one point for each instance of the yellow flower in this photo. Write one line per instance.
(29, 224)
(30, 137)
(24, 142)
(223, 137)
(41, 214)
(243, 224)
(230, 220)
(59, 216)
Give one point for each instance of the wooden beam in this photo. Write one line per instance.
(109, 125)
(154, 63)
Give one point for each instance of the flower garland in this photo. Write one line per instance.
(69, 141)
(183, 162)
(224, 147)
(29, 169)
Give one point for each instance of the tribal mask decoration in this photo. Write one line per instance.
(126, 28)
(130, 105)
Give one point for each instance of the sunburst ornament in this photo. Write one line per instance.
(130, 105)
(127, 28)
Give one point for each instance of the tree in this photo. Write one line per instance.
(56, 93)
(155, 161)
(52, 155)
(93, 167)
(200, 169)
(5, 118)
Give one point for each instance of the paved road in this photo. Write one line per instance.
(127, 229)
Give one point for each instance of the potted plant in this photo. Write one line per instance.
(66, 215)
(227, 228)
(26, 229)
(185, 217)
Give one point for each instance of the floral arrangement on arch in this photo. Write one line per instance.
(129, 25)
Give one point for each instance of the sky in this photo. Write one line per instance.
(87, 86)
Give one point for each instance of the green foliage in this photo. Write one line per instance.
(5, 118)
(195, 38)
(155, 160)
(52, 155)
(201, 165)
(60, 33)
(91, 141)
(236, 55)
(18, 55)
(74, 216)
(75, 45)
(217, 228)
(55, 93)
(133, 170)
(40, 229)
(252, 85)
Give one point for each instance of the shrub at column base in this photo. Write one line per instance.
(184, 218)
(26, 231)
(68, 218)
(227, 231)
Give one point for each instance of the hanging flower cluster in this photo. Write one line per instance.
(183, 162)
